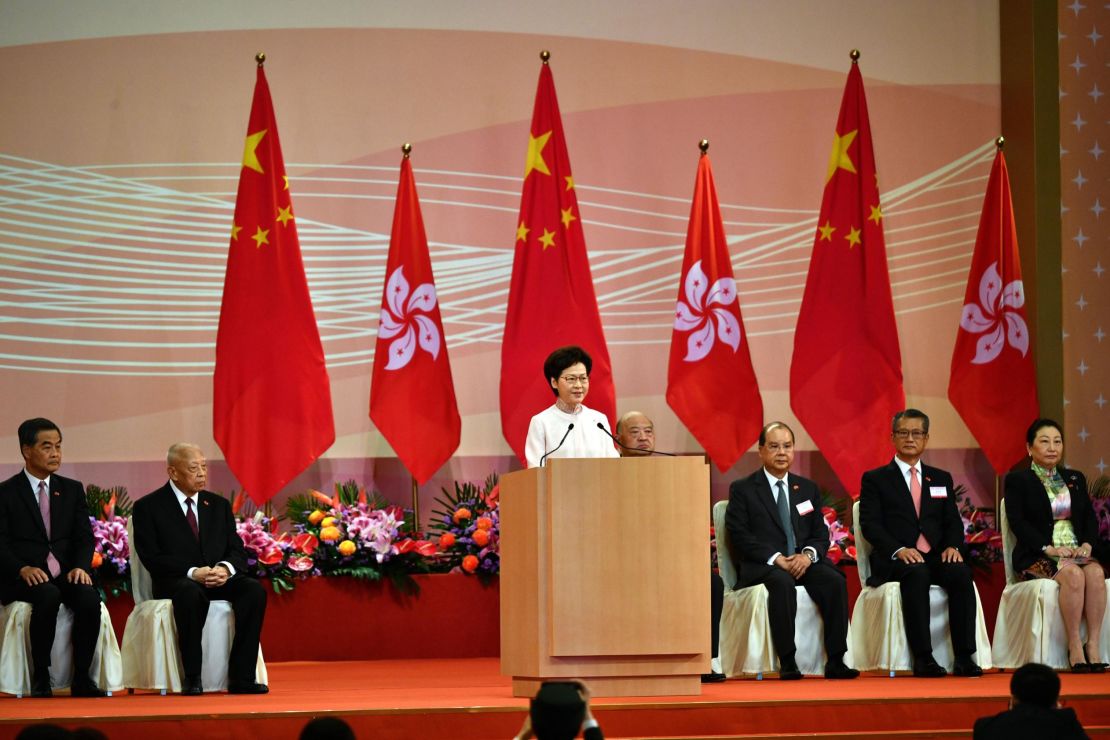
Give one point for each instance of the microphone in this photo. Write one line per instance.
(564, 439)
(631, 449)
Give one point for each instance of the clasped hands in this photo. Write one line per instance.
(33, 576)
(911, 555)
(1082, 551)
(796, 565)
(211, 577)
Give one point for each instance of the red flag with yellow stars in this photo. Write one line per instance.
(993, 384)
(551, 296)
(412, 395)
(710, 381)
(846, 373)
(271, 414)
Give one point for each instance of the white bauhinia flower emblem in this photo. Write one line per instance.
(401, 320)
(707, 312)
(997, 319)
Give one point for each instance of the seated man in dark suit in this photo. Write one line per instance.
(186, 537)
(46, 547)
(779, 539)
(908, 513)
(1034, 711)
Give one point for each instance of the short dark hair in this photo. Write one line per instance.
(1038, 425)
(557, 710)
(909, 414)
(29, 431)
(327, 728)
(561, 359)
(1036, 684)
(769, 427)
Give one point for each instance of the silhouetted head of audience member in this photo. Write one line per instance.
(1035, 684)
(327, 728)
(44, 731)
(557, 711)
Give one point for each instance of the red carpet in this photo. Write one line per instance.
(468, 698)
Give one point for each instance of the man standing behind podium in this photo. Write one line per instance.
(779, 539)
(186, 537)
(46, 546)
(908, 513)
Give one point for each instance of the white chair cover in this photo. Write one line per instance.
(15, 651)
(1029, 627)
(878, 635)
(745, 631)
(151, 659)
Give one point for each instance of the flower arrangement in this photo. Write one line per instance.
(984, 541)
(111, 564)
(842, 543)
(469, 528)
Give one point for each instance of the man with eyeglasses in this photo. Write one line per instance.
(909, 515)
(779, 539)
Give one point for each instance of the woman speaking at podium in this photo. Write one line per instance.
(567, 428)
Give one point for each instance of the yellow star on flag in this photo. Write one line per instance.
(235, 229)
(853, 237)
(838, 157)
(826, 231)
(286, 179)
(570, 182)
(548, 239)
(534, 160)
(262, 236)
(522, 232)
(876, 214)
(250, 153)
(285, 215)
(568, 217)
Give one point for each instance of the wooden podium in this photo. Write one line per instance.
(605, 575)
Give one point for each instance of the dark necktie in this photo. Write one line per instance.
(44, 509)
(191, 517)
(784, 514)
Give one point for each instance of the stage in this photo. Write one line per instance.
(468, 698)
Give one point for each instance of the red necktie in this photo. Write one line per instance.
(44, 509)
(191, 517)
(915, 492)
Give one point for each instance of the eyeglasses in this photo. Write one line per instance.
(576, 379)
(776, 447)
(907, 433)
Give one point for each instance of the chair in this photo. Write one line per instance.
(151, 659)
(878, 636)
(15, 651)
(1029, 627)
(745, 630)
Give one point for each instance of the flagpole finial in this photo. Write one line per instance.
(260, 57)
(1000, 142)
(704, 146)
(854, 54)
(545, 56)
(406, 149)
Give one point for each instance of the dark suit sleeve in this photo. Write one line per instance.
(234, 551)
(82, 541)
(152, 541)
(1020, 512)
(1083, 512)
(813, 532)
(952, 525)
(745, 545)
(871, 516)
(10, 563)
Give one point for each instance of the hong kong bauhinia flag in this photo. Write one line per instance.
(551, 295)
(993, 384)
(710, 382)
(271, 414)
(846, 373)
(412, 396)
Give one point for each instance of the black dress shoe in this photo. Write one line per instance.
(248, 688)
(928, 668)
(967, 668)
(40, 689)
(86, 689)
(1094, 667)
(191, 686)
(713, 677)
(788, 670)
(837, 670)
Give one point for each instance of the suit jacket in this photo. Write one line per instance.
(755, 530)
(23, 538)
(1030, 722)
(166, 545)
(889, 520)
(1030, 513)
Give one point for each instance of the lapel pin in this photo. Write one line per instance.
(928, 479)
(796, 486)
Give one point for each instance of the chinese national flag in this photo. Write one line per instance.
(846, 373)
(412, 396)
(272, 414)
(993, 384)
(710, 382)
(551, 296)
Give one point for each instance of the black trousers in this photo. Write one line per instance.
(190, 611)
(914, 581)
(45, 600)
(828, 588)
